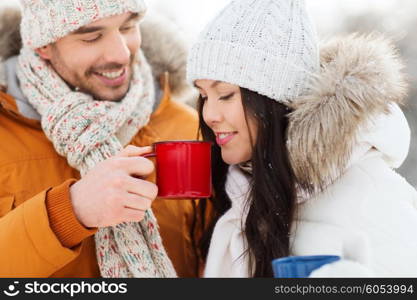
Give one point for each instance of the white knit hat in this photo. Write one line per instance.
(46, 21)
(267, 46)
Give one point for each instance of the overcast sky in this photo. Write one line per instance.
(192, 15)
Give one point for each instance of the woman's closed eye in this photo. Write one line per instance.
(227, 97)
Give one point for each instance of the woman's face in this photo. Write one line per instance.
(223, 112)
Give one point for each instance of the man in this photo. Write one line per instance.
(80, 91)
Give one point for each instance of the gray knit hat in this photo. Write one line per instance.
(46, 21)
(267, 46)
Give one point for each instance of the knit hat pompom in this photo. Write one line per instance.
(267, 46)
(46, 21)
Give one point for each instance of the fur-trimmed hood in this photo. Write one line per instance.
(351, 109)
(162, 42)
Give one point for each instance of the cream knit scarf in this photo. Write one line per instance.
(87, 131)
(228, 255)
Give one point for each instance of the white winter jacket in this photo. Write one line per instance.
(345, 140)
(368, 216)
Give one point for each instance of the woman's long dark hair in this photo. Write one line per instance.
(272, 197)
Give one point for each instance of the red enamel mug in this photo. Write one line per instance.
(183, 169)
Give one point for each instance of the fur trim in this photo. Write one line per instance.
(162, 43)
(166, 50)
(359, 77)
(10, 41)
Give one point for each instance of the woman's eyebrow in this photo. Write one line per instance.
(214, 84)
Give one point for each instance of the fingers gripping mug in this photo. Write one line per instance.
(183, 169)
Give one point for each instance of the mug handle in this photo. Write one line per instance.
(153, 154)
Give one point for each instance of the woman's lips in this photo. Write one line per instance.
(224, 138)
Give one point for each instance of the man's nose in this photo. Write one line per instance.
(117, 50)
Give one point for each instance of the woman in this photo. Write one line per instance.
(304, 155)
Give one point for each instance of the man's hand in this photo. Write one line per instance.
(110, 194)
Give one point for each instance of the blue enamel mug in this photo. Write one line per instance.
(300, 266)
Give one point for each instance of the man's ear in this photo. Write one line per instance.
(44, 52)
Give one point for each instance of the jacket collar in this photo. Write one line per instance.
(9, 108)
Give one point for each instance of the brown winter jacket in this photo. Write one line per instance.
(39, 234)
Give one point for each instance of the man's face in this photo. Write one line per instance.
(97, 58)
